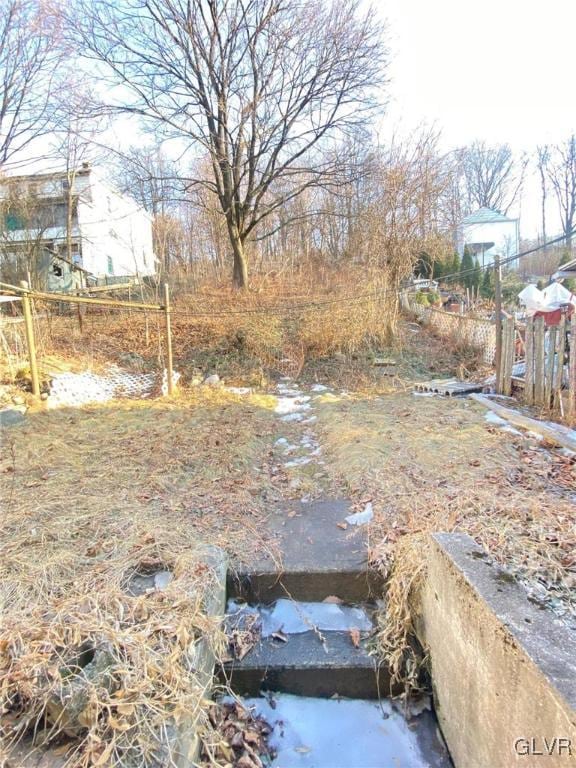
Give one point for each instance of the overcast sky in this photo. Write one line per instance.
(498, 70)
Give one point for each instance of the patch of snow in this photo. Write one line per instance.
(292, 417)
(292, 404)
(361, 518)
(493, 418)
(299, 462)
(293, 618)
(332, 733)
(319, 388)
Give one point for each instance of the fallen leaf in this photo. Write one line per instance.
(342, 525)
(333, 599)
(355, 637)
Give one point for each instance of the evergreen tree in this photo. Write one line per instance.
(466, 269)
(439, 270)
(487, 290)
(455, 266)
(476, 276)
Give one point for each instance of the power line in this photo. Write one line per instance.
(317, 305)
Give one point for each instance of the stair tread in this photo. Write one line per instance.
(306, 650)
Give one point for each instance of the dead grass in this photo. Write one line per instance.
(430, 464)
(91, 496)
(279, 324)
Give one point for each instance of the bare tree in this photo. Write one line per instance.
(264, 88)
(491, 177)
(561, 172)
(28, 62)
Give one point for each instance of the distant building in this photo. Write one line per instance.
(488, 233)
(566, 271)
(110, 235)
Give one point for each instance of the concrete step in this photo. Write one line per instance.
(320, 557)
(310, 664)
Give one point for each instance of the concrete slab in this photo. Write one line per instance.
(503, 668)
(309, 666)
(319, 558)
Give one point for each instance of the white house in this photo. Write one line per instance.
(110, 234)
(487, 233)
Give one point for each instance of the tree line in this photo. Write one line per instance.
(258, 148)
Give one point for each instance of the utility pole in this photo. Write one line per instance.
(498, 302)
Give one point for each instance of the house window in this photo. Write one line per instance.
(13, 222)
(110, 266)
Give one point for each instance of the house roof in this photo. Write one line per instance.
(565, 270)
(485, 216)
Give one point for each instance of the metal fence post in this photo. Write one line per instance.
(29, 328)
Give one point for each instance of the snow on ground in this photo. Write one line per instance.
(339, 733)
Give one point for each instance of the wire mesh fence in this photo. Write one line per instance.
(467, 330)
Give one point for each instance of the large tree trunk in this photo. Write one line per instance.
(240, 270)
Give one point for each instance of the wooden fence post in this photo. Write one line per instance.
(539, 355)
(572, 373)
(507, 359)
(529, 364)
(560, 349)
(168, 338)
(549, 366)
(29, 328)
(498, 307)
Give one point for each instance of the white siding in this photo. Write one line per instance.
(504, 235)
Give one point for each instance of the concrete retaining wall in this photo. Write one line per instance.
(503, 669)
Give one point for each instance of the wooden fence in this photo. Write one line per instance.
(548, 358)
(27, 296)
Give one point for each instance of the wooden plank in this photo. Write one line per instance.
(66, 297)
(529, 364)
(168, 339)
(30, 341)
(572, 373)
(549, 366)
(507, 355)
(539, 335)
(103, 288)
(559, 435)
(560, 350)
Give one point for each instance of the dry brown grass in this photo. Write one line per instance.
(91, 496)
(431, 464)
(281, 322)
